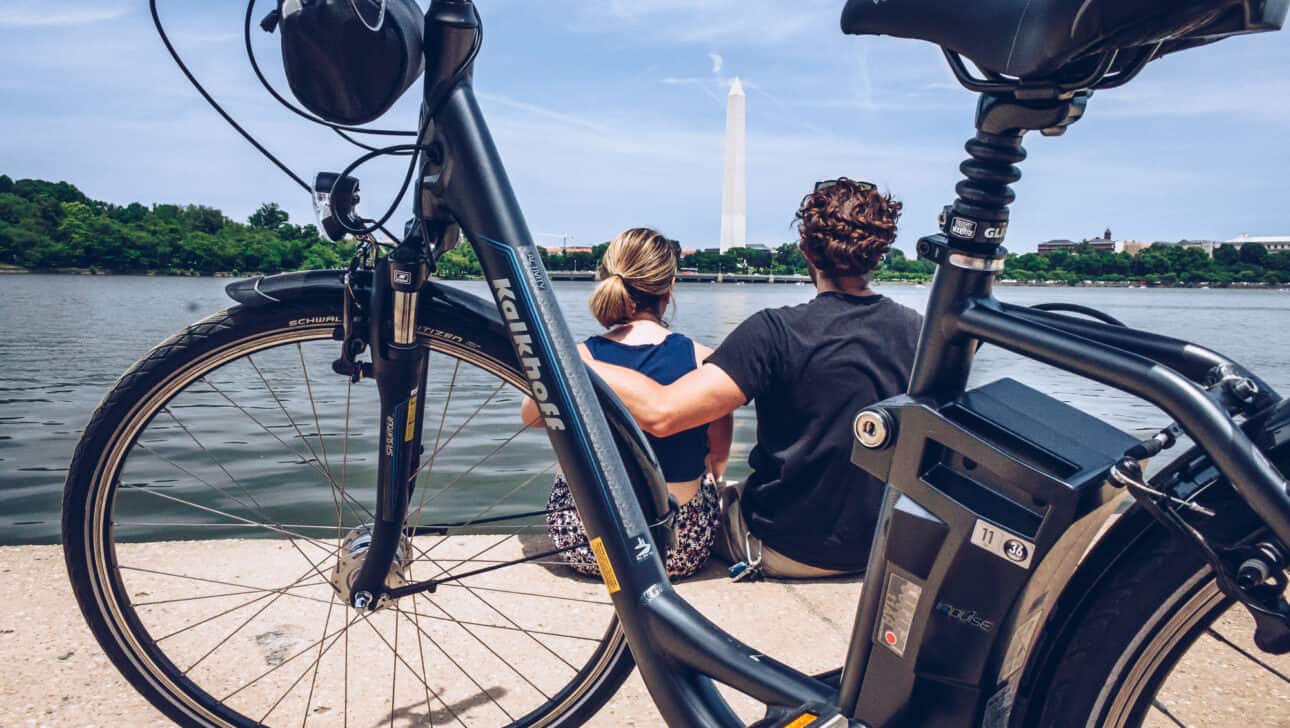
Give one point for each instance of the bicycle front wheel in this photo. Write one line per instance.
(216, 489)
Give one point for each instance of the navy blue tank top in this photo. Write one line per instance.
(681, 455)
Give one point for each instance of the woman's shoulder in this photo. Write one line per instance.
(687, 345)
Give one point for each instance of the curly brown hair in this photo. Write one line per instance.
(847, 228)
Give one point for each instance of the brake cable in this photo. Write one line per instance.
(1088, 311)
(165, 39)
(428, 113)
(1258, 582)
(183, 67)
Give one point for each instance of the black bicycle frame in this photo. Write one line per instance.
(679, 652)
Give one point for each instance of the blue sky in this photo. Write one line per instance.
(610, 114)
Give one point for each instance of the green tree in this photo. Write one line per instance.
(460, 263)
(1279, 261)
(269, 216)
(790, 256)
(52, 225)
(1254, 253)
(1226, 255)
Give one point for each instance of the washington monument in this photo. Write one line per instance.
(734, 191)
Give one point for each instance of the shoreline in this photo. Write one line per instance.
(709, 278)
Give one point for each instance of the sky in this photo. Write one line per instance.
(610, 114)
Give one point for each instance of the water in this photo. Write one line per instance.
(68, 338)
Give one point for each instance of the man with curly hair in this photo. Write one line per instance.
(805, 511)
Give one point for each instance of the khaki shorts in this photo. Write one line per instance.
(735, 542)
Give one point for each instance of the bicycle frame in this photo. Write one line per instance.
(679, 652)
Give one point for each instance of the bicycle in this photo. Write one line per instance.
(1025, 571)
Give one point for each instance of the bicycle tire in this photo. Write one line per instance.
(143, 391)
(1140, 623)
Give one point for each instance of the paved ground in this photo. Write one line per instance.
(52, 673)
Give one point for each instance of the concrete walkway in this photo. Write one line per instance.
(52, 672)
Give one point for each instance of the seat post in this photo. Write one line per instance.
(969, 250)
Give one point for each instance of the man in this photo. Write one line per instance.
(805, 511)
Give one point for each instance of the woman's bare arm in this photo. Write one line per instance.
(720, 431)
(529, 413)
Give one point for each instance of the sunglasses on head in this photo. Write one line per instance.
(825, 184)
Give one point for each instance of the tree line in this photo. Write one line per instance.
(53, 225)
(785, 259)
(1161, 264)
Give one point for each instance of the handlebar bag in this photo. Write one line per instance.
(348, 61)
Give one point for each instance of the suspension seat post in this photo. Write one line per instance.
(978, 219)
(969, 250)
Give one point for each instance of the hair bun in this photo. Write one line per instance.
(636, 272)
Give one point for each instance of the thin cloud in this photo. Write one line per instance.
(34, 18)
(717, 62)
(747, 22)
(560, 117)
(714, 86)
(704, 84)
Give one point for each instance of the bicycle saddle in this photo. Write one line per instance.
(1036, 39)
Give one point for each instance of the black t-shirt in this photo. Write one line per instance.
(810, 369)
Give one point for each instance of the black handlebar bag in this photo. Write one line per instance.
(348, 61)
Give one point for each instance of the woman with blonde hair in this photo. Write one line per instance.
(637, 277)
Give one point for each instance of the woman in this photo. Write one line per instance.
(636, 280)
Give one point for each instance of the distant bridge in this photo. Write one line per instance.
(583, 275)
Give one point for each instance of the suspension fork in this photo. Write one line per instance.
(400, 368)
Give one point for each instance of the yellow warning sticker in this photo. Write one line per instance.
(802, 721)
(408, 429)
(606, 570)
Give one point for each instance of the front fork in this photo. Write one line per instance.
(399, 366)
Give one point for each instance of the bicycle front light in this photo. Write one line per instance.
(335, 199)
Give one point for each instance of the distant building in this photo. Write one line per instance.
(1050, 246)
(1133, 247)
(571, 249)
(1104, 243)
(1205, 245)
(1274, 243)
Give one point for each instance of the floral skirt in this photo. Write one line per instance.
(696, 530)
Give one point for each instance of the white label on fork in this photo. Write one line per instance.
(1003, 544)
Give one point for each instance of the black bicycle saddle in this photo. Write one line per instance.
(1036, 39)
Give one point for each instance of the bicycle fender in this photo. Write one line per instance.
(1050, 605)
(263, 290)
(1054, 603)
(439, 301)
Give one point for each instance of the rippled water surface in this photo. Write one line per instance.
(263, 429)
